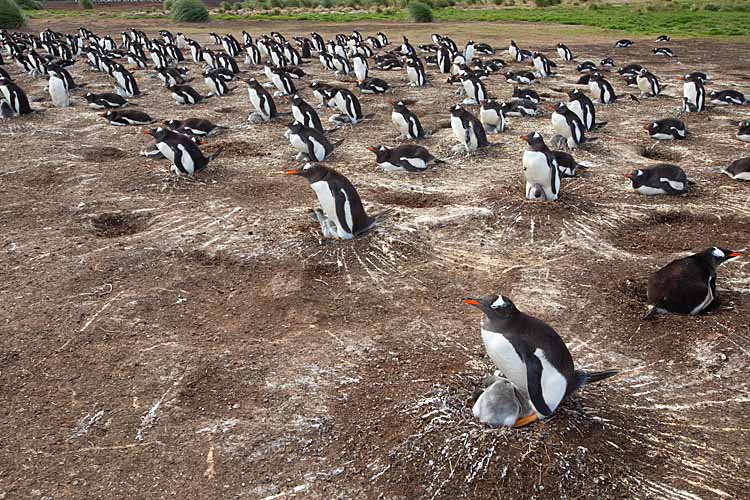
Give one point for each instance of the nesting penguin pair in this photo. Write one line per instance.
(533, 357)
(184, 153)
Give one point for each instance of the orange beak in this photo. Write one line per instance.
(736, 254)
(681, 78)
(645, 127)
(103, 115)
(628, 175)
(372, 149)
(524, 137)
(294, 171)
(147, 132)
(472, 302)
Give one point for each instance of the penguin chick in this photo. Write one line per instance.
(501, 404)
(687, 285)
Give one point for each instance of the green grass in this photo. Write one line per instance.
(719, 18)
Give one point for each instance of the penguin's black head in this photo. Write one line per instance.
(596, 76)
(172, 123)
(575, 94)
(533, 139)
(635, 177)
(313, 172)
(89, 97)
(381, 152)
(744, 126)
(296, 100)
(718, 256)
(399, 106)
(295, 127)
(252, 82)
(652, 127)
(158, 133)
(643, 72)
(457, 110)
(493, 305)
(561, 108)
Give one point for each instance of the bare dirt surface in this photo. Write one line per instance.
(171, 338)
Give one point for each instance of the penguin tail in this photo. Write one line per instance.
(690, 183)
(599, 125)
(336, 144)
(216, 154)
(586, 378)
(634, 98)
(650, 314)
(438, 161)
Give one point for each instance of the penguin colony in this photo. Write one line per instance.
(539, 370)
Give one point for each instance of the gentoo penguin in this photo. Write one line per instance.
(125, 83)
(694, 93)
(725, 97)
(469, 51)
(265, 107)
(519, 107)
(564, 52)
(743, 131)
(661, 178)
(468, 130)
(172, 76)
(311, 144)
(341, 215)
(127, 117)
(404, 158)
(607, 63)
(58, 89)
(541, 64)
(5, 110)
(622, 44)
(738, 169)
(216, 83)
(406, 122)
(666, 129)
(522, 77)
(582, 106)
(648, 83)
(474, 88)
(698, 75)
(501, 403)
(566, 164)
(601, 89)
(306, 114)
(360, 67)
(324, 93)
(185, 94)
(492, 116)
(106, 100)
(349, 105)
(184, 153)
(630, 70)
(567, 124)
(194, 126)
(662, 38)
(373, 86)
(687, 285)
(663, 51)
(532, 355)
(586, 66)
(540, 169)
(415, 72)
(283, 82)
(526, 94)
(519, 55)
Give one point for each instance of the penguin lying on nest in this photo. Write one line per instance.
(532, 355)
(341, 214)
(687, 285)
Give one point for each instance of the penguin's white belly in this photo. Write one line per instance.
(576, 108)
(539, 66)
(165, 150)
(650, 191)
(743, 176)
(554, 384)
(536, 168)
(561, 53)
(415, 162)
(596, 91)
(490, 117)
(689, 91)
(400, 123)
(644, 85)
(458, 129)
(298, 144)
(744, 137)
(663, 137)
(676, 185)
(58, 92)
(505, 357)
(255, 101)
(390, 167)
(298, 116)
(560, 125)
(186, 160)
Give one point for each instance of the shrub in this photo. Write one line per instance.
(29, 4)
(546, 3)
(498, 2)
(326, 4)
(11, 16)
(167, 4)
(189, 11)
(419, 12)
(87, 4)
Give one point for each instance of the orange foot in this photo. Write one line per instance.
(523, 421)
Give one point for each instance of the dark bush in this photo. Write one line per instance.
(29, 4)
(189, 11)
(87, 4)
(11, 16)
(419, 12)
(167, 4)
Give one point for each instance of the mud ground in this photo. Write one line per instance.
(168, 338)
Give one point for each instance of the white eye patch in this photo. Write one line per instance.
(499, 302)
(718, 253)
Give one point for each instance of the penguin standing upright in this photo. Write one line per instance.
(567, 124)
(406, 122)
(349, 105)
(474, 88)
(468, 130)
(361, 68)
(415, 72)
(661, 178)
(58, 89)
(601, 89)
(694, 93)
(532, 355)
(687, 285)
(341, 215)
(265, 107)
(283, 82)
(564, 52)
(648, 83)
(15, 97)
(306, 114)
(216, 83)
(184, 154)
(540, 169)
(542, 64)
(125, 85)
(582, 106)
(311, 144)
(492, 116)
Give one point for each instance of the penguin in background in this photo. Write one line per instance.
(306, 114)
(738, 169)
(58, 89)
(526, 94)
(542, 64)
(444, 59)
(474, 88)
(125, 117)
(688, 285)
(564, 52)
(361, 69)
(404, 158)
(185, 94)
(660, 179)
(349, 105)
(519, 107)
(265, 107)
(341, 214)
(216, 84)
(601, 89)
(282, 82)
(324, 93)
(186, 157)
(540, 169)
(666, 129)
(468, 130)
(582, 106)
(125, 84)
(406, 122)
(694, 94)
(648, 83)
(415, 72)
(743, 131)
(311, 144)
(373, 86)
(492, 116)
(199, 127)
(664, 51)
(727, 97)
(532, 355)
(567, 124)
(623, 44)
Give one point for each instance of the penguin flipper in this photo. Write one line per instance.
(534, 383)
